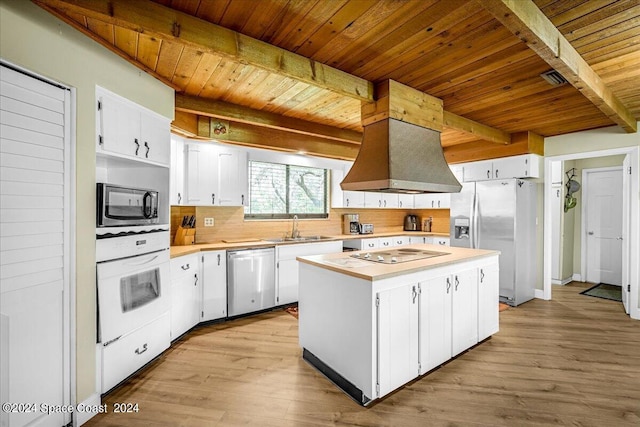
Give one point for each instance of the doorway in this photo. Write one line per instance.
(602, 226)
(630, 224)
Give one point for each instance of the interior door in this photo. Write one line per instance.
(603, 225)
(34, 236)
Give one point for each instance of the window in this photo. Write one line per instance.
(282, 191)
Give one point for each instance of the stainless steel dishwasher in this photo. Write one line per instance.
(250, 280)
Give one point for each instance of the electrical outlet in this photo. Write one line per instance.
(208, 222)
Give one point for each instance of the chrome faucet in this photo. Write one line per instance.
(294, 228)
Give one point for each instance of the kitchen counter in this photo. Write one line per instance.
(344, 263)
(177, 251)
(372, 327)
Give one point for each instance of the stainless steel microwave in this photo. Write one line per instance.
(122, 206)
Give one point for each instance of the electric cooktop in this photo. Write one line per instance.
(393, 256)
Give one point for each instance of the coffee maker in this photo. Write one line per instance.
(351, 224)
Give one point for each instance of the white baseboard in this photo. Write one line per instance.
(539, 293)
(556, 282)
(576, 278)
(84, 415)
(562, 282)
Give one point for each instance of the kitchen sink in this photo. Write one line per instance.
(298, 239)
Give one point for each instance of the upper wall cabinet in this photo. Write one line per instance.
(128, 130)
(215, 176)
(524, 166)
(176, 185)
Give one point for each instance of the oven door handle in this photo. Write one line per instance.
(143, 261)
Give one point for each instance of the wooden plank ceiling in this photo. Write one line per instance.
(455, 50)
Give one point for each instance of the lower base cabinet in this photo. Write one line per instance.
(185, 294)
(422, 325)
(123, 357)
(214, 285)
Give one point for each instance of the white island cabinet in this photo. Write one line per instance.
(373, 327)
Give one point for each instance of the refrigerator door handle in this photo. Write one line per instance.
(476, 211)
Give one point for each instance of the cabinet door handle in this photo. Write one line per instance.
(146, 155)
(488, 173)
(433, 203)
(448, 284)
(213, 198)
(496, 173)
(218, 259)
(195, 282)
(400, 202)
(347, 202)
(242, 202)
(379, 203)
(144, 348)
(457, 282)
(414, 294)
(179, 198)
(438, 203)
(185, 267)
(135, 141)
(481, 275)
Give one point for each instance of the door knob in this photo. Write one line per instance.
(590, 233)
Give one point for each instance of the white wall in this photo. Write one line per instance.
(32, 38)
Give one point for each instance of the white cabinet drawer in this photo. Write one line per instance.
(123, 357)
(442, 241)
(385, 242)
(400, 240)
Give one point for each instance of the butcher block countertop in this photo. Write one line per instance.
(369, 270)
(177, 251)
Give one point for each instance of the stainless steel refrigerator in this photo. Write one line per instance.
(500, 215)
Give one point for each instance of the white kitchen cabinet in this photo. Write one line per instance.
(405, 201)
(400, 240)
(448, 317)
(390, 200)
(523, 166)
(287, 266)
(214, 285)
(432, 201)
(128, 130)
(458, 171)
(488, 298)
(372, 200)
(385, 242)
(353, 199)
(185, 294)
(397, 313)
(337, 195)
(232, 177)
(200, 178)
(464, 309)
(362, 244)
(442, 241)
(435, 322)
(176, 184)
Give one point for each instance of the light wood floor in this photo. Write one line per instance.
(571, 361)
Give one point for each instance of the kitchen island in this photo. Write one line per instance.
(372, 323)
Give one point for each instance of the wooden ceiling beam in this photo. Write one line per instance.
(204, 127)
(479, 130)
(151, 18)
(240, 114)
(530, 25)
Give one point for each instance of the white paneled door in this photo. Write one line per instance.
(603, 225)
(34, 245)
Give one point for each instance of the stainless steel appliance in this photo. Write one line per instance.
(133, 302)
(411, 223)
(123, 206)
(428, 222)
(366, 228)
(394, 256)
(500, 215)
(250, 280)
(350, 223)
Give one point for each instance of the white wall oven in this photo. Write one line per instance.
(133, 302)
(125, 206)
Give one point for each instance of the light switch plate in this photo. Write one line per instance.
(209, 222)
